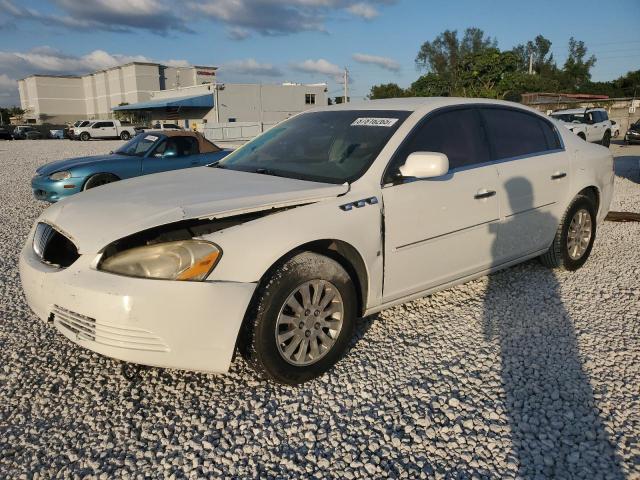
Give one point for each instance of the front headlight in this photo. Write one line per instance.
(182, 260)
(60, 175)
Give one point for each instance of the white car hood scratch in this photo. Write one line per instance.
(95, 218)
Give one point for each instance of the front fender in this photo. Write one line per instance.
(250, 249)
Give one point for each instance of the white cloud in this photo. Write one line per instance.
(251, 67)
(241, 17)
(363, 10)
(320, 66)
(383, 62)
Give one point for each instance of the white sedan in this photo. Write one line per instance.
(336, 213)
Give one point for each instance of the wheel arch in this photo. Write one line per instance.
(342, 252)
(593, 193)
(90, 176)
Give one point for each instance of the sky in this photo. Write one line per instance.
(306, 41)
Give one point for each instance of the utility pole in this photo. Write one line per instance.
(346, 85)
(531, 64)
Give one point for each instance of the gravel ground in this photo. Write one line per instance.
(526, 373)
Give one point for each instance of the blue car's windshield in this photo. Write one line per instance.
(139, 145)
(330, 146)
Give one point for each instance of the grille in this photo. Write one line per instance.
(87, 328)
(53, 247)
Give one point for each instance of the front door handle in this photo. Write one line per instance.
(558, 175)
(484, 194)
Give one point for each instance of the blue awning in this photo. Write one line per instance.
(195, 101)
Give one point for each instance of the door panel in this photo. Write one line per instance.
(530, 192)
(436, 230)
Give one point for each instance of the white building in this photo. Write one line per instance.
(249, 107)
(62, 99)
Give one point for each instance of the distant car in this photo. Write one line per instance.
(104, 129)
(615, 129)
(596, 121)
(633, 133)
(26, 132)
(5, 134)
(78, 124)
(144, 154)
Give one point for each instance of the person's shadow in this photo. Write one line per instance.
(556, 431)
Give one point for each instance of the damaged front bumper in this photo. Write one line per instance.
(173, 324)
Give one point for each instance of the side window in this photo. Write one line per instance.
(513, 133)
(456, 133)
(107, 124)
(187, 146)
(605, 116)
(98, 125)
(550, 134)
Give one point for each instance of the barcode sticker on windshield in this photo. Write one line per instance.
(152, 138)
(374, 122)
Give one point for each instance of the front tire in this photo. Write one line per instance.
(606, 139)
(84, 136)
(125, 136)
(574, 238)
(301, 319)
(98, 180)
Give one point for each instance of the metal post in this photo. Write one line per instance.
(531, 64)
(346, 85)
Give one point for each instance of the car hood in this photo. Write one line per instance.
(68, 164)
(99, 216)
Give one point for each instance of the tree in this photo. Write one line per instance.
(443, 54)
(430, 85)
(540, 49)
(386, 90)
(577, 68)
(481, 74)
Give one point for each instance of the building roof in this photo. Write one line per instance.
(152, 64)
(193, 101)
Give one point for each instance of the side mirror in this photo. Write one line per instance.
(425, 165)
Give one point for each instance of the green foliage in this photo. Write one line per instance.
(577, 68)
(6, 113)
(474, 67)
(430, 85)
(386, 90)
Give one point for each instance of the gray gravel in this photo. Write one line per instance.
(526, 373)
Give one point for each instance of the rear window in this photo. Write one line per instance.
(513, 133)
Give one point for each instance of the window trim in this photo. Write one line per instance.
(475, 106)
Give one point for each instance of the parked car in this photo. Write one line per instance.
(78, 124)
(5, 134)
(159, 126)
(104, 129)
(597, 127)
(633, 133)
(27, 132)
(335, 213)
(615, 129)
(144, 154)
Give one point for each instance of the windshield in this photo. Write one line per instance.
(570, 117)
(138, 146)
(330, 146)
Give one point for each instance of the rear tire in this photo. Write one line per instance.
(98, 180)
(84, 136)
(294, 345)
(565, 253)
(125, 136)
(606, 139)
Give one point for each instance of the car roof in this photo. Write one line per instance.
(413, 104)
(205, 145)
(578, 110)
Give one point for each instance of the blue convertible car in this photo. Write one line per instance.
(149, 152)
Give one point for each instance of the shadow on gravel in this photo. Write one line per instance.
(628, 166)
(556, 431)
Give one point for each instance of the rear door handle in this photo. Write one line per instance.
(558, 175)
(484, 194)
